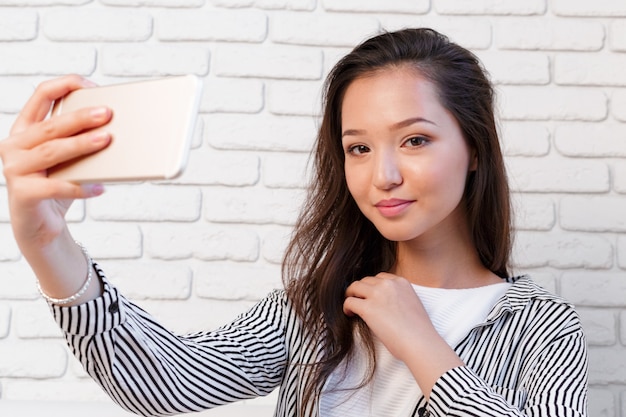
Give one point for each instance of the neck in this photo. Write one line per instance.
(449, 263)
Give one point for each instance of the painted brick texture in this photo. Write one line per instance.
(198, 250)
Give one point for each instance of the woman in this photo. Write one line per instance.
(398, 298)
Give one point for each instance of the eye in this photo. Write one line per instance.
(357, 150)
(415, 141)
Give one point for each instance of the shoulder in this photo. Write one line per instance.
(530, 302)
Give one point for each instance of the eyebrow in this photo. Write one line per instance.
(395, 126)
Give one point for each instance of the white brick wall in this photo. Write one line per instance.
(198, 250)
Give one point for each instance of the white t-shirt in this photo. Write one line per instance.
(393, 390)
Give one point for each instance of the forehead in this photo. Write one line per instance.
(391, 94)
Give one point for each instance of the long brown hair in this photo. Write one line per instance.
(333, 244)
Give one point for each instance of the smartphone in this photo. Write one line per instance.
(151, 130)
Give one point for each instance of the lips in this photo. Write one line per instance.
(393, 207)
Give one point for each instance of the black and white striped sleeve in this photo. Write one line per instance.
(554, 383)
(150, 371)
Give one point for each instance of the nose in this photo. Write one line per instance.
(387, 174)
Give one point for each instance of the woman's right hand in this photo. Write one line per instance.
(38, 204)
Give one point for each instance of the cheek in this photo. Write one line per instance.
(356, 181)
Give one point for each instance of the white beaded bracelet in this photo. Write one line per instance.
(81, 291)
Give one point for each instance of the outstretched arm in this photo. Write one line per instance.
(37, 203)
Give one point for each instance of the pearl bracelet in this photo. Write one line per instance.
(81, 291)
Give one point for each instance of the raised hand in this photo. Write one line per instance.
(394, 313)
(38, 204)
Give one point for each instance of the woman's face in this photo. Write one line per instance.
(406, 161)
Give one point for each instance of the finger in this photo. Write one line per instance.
(41, 188)
(38, 105)
(62, 126)
(352, 306)
(54, 152)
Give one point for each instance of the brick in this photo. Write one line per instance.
(591, 139)
(32, 359)
(76, 212)
(32, 320)
(275, 242)
(281, 61)
(622, 328)
(557, 175)
(286, 170)
(101, 25)
(18, 25)
(286, 4)
(252, 205)
(589, 69)
(298, 98)
(234, 281)
(617, 35)
(208, 166)
(268, 4)
(562, 250)
(332, 57)
(584, 8)
(154, 3)
(39, 59)
(607, 365)
(594, 288)
(621, 251)
(44, 2)
(150, 279)
(600, 326)
(619, 178)
(553, 34)
(18, 281)
(618, 105)
(214, 25)
(491, 7)
(324, 30)
(15, 93)
(260, 133)
(235, 4)
(517, 67)
(154, 60)
(525, 139)
(601, 402)
(201, 241)
(552, 103)
(8, 248)
(223, 95)
(4, 205)
(533, 212)
(5, 319)
(593, 213)
(146, 203)
(370, 6)
(109, 240)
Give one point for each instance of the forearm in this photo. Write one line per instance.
(62, 269)
(430, 358)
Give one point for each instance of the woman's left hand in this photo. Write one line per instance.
(394, 313)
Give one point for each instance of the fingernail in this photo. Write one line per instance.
(88, 83)
(99, 112)
(100, 138)
(97, 189)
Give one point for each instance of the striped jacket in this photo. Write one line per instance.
(527, 359)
